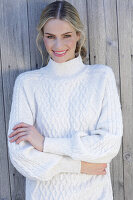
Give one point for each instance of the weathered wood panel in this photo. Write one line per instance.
(4, 168)
(124, 10)
(4, 171)
(15, 58)
(103, 37)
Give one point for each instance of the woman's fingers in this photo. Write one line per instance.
(93, 168)
(94, 165)
(97, 172)
(23, 138)
(101, 167)
(17, 131)
(27, 132)
(20, 125)
(98, 166)
(100, 173)
(17, 136)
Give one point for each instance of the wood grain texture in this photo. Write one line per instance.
(103, 37)
(125, 20)
(15, 58)
(108, 29)
(4, 168)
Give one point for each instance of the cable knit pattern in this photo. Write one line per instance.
(77, 108)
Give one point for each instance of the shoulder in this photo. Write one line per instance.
(106, 75)
(27, 78)
(100, 68)
(101, 71)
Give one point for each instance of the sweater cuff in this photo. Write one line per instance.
(60, 146)
(69, 165)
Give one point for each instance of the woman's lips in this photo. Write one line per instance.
(59, 53)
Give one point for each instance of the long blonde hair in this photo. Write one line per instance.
(62, 10)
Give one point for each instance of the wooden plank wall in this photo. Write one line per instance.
(108, 27)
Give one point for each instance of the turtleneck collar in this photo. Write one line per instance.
(65, 69)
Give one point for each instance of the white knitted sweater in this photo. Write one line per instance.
(77, 108)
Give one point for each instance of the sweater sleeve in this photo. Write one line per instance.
(30, 162)
(102, 144)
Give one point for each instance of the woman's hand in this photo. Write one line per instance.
(93, 168)
(26, 132)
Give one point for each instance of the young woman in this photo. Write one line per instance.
(65, 122)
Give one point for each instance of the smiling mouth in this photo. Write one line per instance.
(60, 53)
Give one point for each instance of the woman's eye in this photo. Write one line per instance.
(49, 36)
(67, 35)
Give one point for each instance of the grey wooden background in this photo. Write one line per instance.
(109, 33)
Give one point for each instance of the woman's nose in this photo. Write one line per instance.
(58, 44)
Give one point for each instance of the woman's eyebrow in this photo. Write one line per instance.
(54, 35)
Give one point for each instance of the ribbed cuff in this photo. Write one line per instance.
(67, 164)
(61, 146)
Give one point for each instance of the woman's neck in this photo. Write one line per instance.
(65, 69)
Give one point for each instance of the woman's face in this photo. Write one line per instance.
(60, 40)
